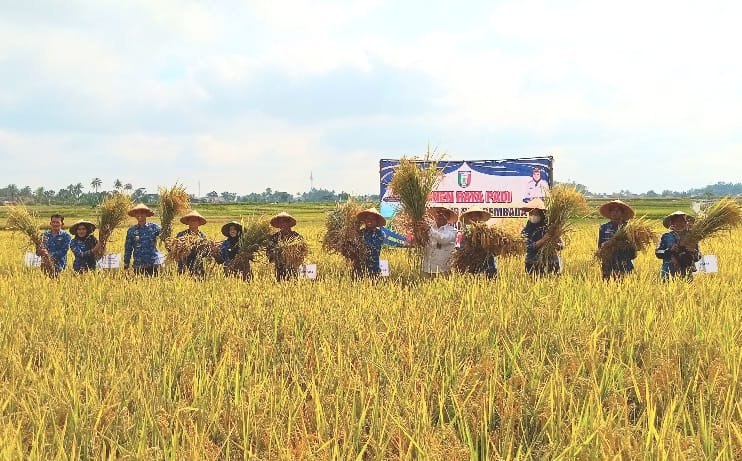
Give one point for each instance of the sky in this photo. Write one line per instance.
(240, 96)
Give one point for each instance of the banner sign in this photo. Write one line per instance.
(308, 271)
(498, 186)
(32, 260)
(110, 261)
(707, 264)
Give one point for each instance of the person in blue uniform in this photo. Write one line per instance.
(194, 262)
(678, 258)
(488, 265)
(537, 187)
(373, 238)
(284, 223)
(619, 214)
(55, 242)
(229, 250)
(536, 235)
(84, 246)
(141, 242)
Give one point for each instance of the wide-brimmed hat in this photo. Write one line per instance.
(90, 226)
(373, 213)
(283, 216)
(225, 228)
(535, 204)
(141, 207)
(475, 214)
(451, 216)
(668, 218)
(605, 208)
(193, 214)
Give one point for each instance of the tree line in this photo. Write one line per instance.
(80, 194)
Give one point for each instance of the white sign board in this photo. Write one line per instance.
(707, 264)
(32, 260)
(308, 271)
(110, 261)
(159, 257)
(384, 266)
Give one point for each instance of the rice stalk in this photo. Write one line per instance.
(291, 252)
(343, 233)
(173, 202)
(179, 248)
(20, 219)
(413, 181)
(113, 212)
(495, 240)
(254, 237)
(723, 216)
(562, 204)
(637, 234)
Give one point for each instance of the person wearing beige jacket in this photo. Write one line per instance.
(439, 250)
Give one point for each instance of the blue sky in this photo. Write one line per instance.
(241, 96)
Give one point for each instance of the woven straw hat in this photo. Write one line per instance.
(82, 222)
(193, 214)
(225, 228)
(475, 214)
(282, 216)
(141, 207)
(605, 208)
(535, 204)
(451, 215)
(372, 212)
(668, 218)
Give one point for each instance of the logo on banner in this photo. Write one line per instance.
(464, 179)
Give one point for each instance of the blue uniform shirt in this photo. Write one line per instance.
(83, 251)
(228, 250)
(533, 233)
(58, 246)
(141, 241)
(373, 238)
(622, 262)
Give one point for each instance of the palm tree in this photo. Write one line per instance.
(128, 187)
(117, 184)
(78, 189)
(95, 184)
(12, 190)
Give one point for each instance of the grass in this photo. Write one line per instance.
(107, 366)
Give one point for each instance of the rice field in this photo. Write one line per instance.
(111, 366)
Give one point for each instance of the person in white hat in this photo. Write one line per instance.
(537, 187)
(194, 262)
(284, 223)
(619, 214)
(438, 251)
(536, 235)
(373, 238)
(141, 241)
(678, 260)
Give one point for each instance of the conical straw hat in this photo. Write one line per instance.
(666, 221)
(283, 216)
(380, 221)
(140, 207)
(535, 204)
(451, 215)
(605, 208)
(193, 215)
(225, 228)
(82, 222)
(475, 214)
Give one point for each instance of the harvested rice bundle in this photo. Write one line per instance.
(637, 234)
(562, 204)
(724, 215)
(414, 185)
(179, 248)
(468, 259)
(21, 220)
(173, 201)
(113, 213)
(254, 237)
(292, 252)
(494, 240)
(343, 234)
